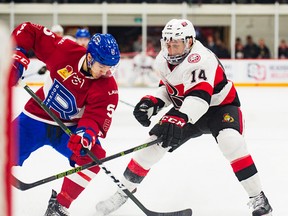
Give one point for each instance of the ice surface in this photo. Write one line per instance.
(196, 175)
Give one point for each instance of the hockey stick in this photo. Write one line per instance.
(185, 212)
(26, 186)
(41, 71)
(128, 104)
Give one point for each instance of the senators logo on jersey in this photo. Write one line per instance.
(175, 93)
(227, 118)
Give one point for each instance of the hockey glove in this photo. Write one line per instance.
(171, 129)
(20, 61)
(81, 140)
(146, 108)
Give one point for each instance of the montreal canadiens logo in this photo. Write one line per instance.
(194, 58)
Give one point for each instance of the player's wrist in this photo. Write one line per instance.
(20, 56)
(154, 102)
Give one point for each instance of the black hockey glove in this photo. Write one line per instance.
(171, 129)
(146, 108)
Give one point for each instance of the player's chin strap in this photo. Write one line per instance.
(185, 212)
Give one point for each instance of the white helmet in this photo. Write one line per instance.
(177, 29)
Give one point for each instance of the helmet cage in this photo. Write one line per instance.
(175, 59)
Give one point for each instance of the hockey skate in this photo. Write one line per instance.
(260, 205)
(55, 208)
(111, 204)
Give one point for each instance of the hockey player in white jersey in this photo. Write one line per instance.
(204, 102)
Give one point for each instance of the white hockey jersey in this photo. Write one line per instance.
(196, 84)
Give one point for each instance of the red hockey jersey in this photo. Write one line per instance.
(72, 96)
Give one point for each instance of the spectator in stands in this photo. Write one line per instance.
(150, 49)
(239, 49)
(264, 52)
(210, 44)
(283, 50)
(82, 37)
(137, 45)
(251, 49)
(221, 50)
(199, 35)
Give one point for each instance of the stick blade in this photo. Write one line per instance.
(19, 184)
(185, 212)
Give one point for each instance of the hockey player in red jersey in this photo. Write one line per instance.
(81, 91)
(204, 102)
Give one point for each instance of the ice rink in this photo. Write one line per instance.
(195, 176)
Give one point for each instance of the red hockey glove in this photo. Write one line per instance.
(171, 129)
(20, 61)
(146, 108)
(82, 139)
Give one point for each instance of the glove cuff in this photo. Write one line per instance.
(20, 56)
(174, 120)
(158, 103)
(175, 117)
(151, 98)
(88, 136)
(21, 50)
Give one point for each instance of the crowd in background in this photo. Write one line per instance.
(243, 50)
(257, 50)
(143, 62)
(214, 39)
(248, 49)
(152, 1)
